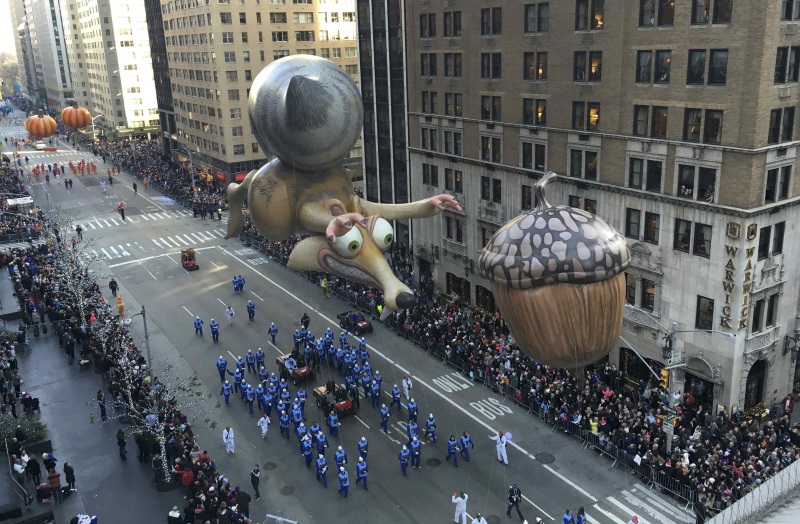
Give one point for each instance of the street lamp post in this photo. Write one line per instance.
(190, 154)
(146, 342)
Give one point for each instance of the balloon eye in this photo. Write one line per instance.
(382, 233)
(349, 244)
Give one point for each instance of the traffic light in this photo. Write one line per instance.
(664, 380)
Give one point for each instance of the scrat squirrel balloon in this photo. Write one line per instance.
(307, 112)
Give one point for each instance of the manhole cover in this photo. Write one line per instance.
(269, 466)
(493, 519)
(433, 462)
(545, 458)
(287, 490)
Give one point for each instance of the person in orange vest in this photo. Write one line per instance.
(121, 210)
(120, 306)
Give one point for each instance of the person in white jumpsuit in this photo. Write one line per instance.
(501, 447)
(227, 438)
(460, 500)
(263, 423)
(407, 385)
(229, 314)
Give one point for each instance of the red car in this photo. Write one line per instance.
(354, 322)
(340, 402)
(301, 373)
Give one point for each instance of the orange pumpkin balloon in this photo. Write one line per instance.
(76, 117)
(41, 125)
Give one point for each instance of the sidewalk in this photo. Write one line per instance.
(115, 491)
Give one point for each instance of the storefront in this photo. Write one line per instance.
(459, 286)
(634, 370)
(702, 389)
(754, 388)
(484, 299)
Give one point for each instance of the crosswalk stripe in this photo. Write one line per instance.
(182, 240)
(201, 239)
(114, 250)
(653, 500)
(145, 217)
(95, 253)
(613, 517)
(210, 234)
(173, 241)
(106, 253)
(627, 510)
(202, 235)
(219, 233)
(91, 225)
(101, 226)
(114, 221)
(124, 252)
(650, 502)
(106, 221)
(156, 243)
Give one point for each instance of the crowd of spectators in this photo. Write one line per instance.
(714, 459)
(55, 289)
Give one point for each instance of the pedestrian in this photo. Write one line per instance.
(69, 476)
(229, 314)
(344, 481)
(121, 209)
(273, 332)
(361, 472)
(264, 423)
(452, 450)
(407, 385)
(581, 517)
(101, 402)
(466, 443)
(322, 470)
(214, 326)
(460, 500)
(102, 184)
(54, 478)
(34, 470)
(326, 293)
(501, 441)
(198, 326)
(251, 310)
(514, 497)
(569, 519)
(634, 519)
(479, 519)
(174, 516)
(112, 285)
(404, 457)
(242, 501)
(255, 479)
(135, 189)
(227, 438)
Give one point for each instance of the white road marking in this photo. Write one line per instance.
(627, 510)
(188, 239)
(107, 223)
(221, 302)
(201, 239)
(106, 253)
(124, 251)
(184, 307)
(182, 240)
(358, 419)
(145, 217)
(276, 348)
(154, 277)
(114, 221)
(156, 243)
(216, 266)
(607, 514)
(537, 507)
(115, 251)
(430, 387)
(101, 226)
(155, 256)
(258, 297)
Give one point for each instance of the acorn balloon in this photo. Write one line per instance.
(75, 117)
(557, 278)
(41, 125)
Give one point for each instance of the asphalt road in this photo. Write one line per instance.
(143, 254)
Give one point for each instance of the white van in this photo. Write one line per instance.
(40, 146)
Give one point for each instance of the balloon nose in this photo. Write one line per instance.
(405, 300)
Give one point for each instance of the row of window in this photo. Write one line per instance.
(226, 18)
(229, 57)
(661, 13)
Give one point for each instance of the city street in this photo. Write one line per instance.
(143, 254)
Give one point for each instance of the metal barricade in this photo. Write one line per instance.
(599, 443)
(659, 480)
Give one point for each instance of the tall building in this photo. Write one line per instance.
(17, 16)
(158, 55)
(115, 64)
(73, 37)
(215, 49)
(381, 35)
(25, 55)
(52, 68)
(694, 164)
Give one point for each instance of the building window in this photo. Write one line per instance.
(491, 149)
(527, 197)
(537, 17)
(430, 139)
(630, 289)
(535, 66)
(663, 67)
(700, 10)
(491, 66)
(777, 184)
(647, 13)
(662, 11)
(777, 238)
(491, 21)
(427, 25)
(764, 237)
(453, 180)
(303, 18)
(691, 124)
(225, 18)
(772, 310)
(652, 226)
(697, 238)
(452, 104)
(534, 156)
(534, 112)
(486, 188)
(583, 164)
(280, 36)
(781, 64)
(429, 101)
(227, 38)
(659, 123)
(697, 183)
(452, 65)
(277, 18)
(589, 15)
(497, 191)
(229, 57)
(758, 316)
(587, 66)
(452, 143)
(704, 317)
(645, 174)
(430, 175)
(586, 116)
(718, 67)
(233, 94)
(794, 64)
(644, 66)
(696, 72)
(490, 108)
(781, 125)
(723, 10)
(648, 295)
(640, 116)
(238, 149)
(452, 24)
(712, 133)
(428, 64)
(304, 36)
(633, 223)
